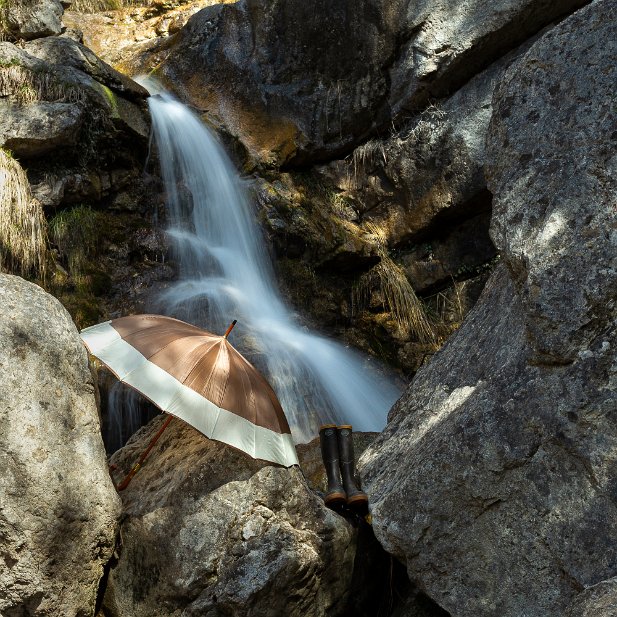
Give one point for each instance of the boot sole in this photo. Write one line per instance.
(358, 499)
(335, 498)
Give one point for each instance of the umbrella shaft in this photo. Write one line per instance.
(143, 456)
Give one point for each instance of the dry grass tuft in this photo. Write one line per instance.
(425, 125)
(23, 236)
(398, 294)
(364, 157)
(100, 6)
(25, 86)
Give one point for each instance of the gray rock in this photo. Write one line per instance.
(67, 53)
(40, 127)
(210, 531)
(59, 510)
(431, 172)
(89, 121)
(31, 19)
(255, 67)
(597, 601)
(552, 169)
(494, 479)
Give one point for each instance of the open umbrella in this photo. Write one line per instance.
(198, 377)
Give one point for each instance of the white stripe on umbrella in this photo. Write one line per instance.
(173, 397)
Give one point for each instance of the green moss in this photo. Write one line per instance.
(113, 102)
(5, 64)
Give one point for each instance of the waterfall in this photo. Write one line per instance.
(125, 412)
(225, 273)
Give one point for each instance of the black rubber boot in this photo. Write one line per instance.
(329, 453)
(356, 498)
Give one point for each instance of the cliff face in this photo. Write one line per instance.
(505, 504)
(403, 91)
(299, 83)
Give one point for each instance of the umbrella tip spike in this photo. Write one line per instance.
(231, 327)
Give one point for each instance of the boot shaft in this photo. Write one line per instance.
(328, 441)
(347, 464)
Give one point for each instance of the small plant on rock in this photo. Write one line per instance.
(75, 234)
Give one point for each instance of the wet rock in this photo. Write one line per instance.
(256, 68)
(59, 511)
(210, 531)
(494, 479)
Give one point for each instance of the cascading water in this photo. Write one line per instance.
(225, 274)
(126, 411)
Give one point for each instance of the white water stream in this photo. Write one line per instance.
(225, 274)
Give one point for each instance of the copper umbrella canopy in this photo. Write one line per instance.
(198, 377)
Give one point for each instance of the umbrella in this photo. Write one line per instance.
(198, 377)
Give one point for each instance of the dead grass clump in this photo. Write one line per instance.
(425, 125)
(5, 30)
(23, 237)
(364, 157)
(25, 86)
(100, 6)
(398, 295)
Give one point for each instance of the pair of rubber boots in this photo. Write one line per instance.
(337, 453)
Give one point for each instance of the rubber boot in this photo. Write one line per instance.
(356, 498)
(335, 495)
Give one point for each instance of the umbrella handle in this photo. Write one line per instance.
(143, 456)
(231, 327)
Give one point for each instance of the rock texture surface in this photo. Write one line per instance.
(57, 96)
(135, 39)
(209, 531)
(256, 67)
(505, 504)
(30, 19)
(597, 601)
(59, 510)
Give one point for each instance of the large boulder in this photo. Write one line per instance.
(31, 19)
(505, 502)
(210, 531)
(59, 512)
(298, 82)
